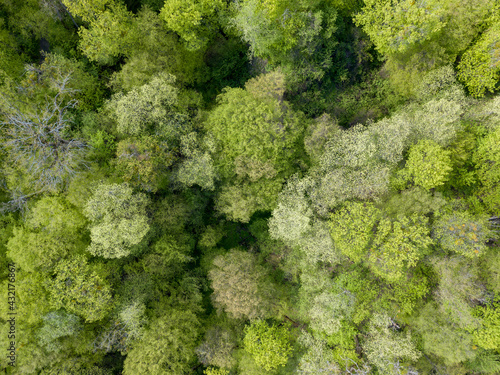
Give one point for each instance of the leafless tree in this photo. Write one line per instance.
(36, 137)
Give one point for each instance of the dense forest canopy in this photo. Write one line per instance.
(250, 187)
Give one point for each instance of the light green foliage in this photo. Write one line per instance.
(443, 339)
(32, 298)
(487, 160)
(269, 345)
(479, 67)
(167, 348)
(257, 135)
(194, 20)
(436, 120)
(215, 371)
(384, 346)
(57, 324)
(155, 50)
(143, 161)
(292, 217)
(293, 222)
(428, 164)
(240, 285)
(440, 83)
(297, 35)
(217, 348)
(389, 246)
(198, 167)
(488, 334)
(329, 309)
(408, 291)
(87, 10)
(79, 289)
(109, 35)
(118, 220)
(52, 231)
(352, 228)
(462, 233)
(396, 26)
(239, 202)
(319, 357)
(152, 104)
(37, 250)
(398, 245)
(122, 331)
(459, 286)
(256, 126)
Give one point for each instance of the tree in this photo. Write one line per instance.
(143, 161)
(36, 137)
(428, 164)
(462, 233)
(52, 230)
(218, 347)
(56, 325)
(79, 289)
(194, 21)
(118, 220)
(384, 347)
(487, 161)
(110, 33)
(389, 246)
(396, 26)
(443, 339)
(87, 10)
(296, 35)
(329, 309)
(239, 285)
(257, 142)
(269, 345)
(150, 107)
(167, 347)
(488, 334)
(479, 67)
(459, 289)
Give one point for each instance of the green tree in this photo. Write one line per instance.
(443, 339)
(167, 347)
(194, 21)
(385, 347)
(487, 161)
(217, 348)
(488, 334)
(79, 289)
(110, 33)
(269, 345)
(463, 233)
(143, 161)
(479, 67)
(257, 142)
(389, 246)
(240, 285)
(428, 164)
(151, 105)
(118, 220)
(297, 35)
